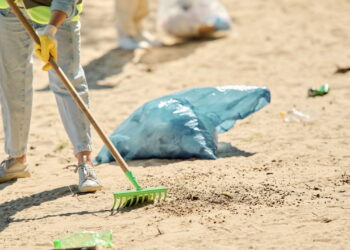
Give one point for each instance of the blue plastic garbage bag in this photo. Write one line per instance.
(184, 124)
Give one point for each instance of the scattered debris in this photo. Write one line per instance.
(84, 239)
(323, 90)
(61, 146)
(342, 70)
(295, 115)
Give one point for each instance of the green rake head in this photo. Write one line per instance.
(133, 197)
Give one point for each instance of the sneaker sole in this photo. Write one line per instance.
(13, 176)
(90, 189)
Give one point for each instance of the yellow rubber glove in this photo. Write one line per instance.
(48, 45)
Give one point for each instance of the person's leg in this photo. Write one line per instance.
(74, 120)
(124, 14)
(129, 15)
(144, 38)
(16, 76)
(140, 13)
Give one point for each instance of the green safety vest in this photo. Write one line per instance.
(39, 10)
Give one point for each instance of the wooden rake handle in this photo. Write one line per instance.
(70, 88)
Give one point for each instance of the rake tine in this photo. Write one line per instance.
(150, 197)
(141, 199)
(120, 201)
(127, 201)
(123, 201)
(154, 195)
(137, 199)
(131, 201)
(114, 203)
(160, 196)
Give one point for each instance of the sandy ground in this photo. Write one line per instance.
(276, 185)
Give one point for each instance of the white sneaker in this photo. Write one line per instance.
(129, 43)
(145, 41)
(88, 181)
(150, 39)
(11, 169)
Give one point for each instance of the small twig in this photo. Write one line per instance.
(71, 191)
(227, 195)
(74, 194)
(70, 166)
(159, 232)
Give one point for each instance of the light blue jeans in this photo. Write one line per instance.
(16, 77)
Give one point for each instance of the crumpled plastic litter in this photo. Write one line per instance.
(85, 239)
(188, 18)
(184, 124)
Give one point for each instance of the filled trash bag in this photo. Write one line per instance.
(192, 18)
(184, 124)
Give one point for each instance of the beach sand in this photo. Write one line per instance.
(276, 185)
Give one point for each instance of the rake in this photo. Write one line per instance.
(123, 198)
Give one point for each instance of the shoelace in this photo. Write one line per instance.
(5, 163)
(88, 171)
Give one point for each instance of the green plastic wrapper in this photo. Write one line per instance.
(85, 239)
(323, 90)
